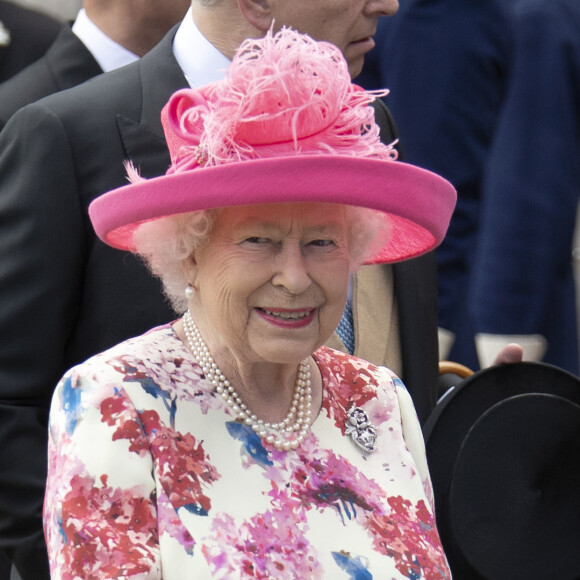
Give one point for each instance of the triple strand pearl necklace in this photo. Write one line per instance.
(285, 435)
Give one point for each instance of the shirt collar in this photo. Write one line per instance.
(201, 62)
(109, 54)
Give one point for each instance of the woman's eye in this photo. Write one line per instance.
(322, 243)
(256, 240)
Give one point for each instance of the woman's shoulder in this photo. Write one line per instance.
(354, 385)
(349, 378)
(148, 363)
(347, 367)
(153, 348)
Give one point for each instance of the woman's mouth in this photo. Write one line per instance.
(286, 317)
(364, 44)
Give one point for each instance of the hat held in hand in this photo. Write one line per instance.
(503, 449)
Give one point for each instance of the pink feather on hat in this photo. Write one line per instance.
(283, 95)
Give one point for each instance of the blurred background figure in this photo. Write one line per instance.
(25, 35)
(446, 63)
(60, 9)
(523, 285)
(105, 35)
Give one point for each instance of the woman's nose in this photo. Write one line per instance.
(291, 270)
(381, 7)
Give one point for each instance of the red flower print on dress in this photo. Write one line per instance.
(182, 465)
(352, 384)
(119, 411)
(409, 535)
(108, 532)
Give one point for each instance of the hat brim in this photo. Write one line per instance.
(417, 203)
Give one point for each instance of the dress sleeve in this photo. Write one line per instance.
(413, 435)
(100, 515)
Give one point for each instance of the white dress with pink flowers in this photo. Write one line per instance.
(151, 477)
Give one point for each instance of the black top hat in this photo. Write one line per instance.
(504, 454)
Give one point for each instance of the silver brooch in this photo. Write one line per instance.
(360, 429)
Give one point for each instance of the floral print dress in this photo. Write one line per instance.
(151, 477)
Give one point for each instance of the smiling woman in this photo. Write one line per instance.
(232, 443)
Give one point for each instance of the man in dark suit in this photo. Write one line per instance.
(25, 35)
(65, 296)
(67, 63)
(523, 280)
(104, 36)
(446, 63)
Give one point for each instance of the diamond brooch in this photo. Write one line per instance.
(360, 429)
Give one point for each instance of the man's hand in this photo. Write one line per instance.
(509, 354)
(493, 349)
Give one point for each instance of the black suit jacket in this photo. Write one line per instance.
(67, 63)
(415, 283)
(31, 33)
(64, 295)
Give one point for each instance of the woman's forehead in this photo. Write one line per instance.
(316, 215)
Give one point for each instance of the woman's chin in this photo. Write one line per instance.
(285, 351)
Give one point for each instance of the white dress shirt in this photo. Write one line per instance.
(201, 62)
(108, 53)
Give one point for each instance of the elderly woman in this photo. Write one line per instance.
(232, 443)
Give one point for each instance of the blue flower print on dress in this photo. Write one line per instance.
(152, 388)
(355, 569)
(71, 403)
(252, 442)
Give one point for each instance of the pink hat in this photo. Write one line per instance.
(286, 125)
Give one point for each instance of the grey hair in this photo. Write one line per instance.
(166, 243)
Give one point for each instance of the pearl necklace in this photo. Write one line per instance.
(285, 435)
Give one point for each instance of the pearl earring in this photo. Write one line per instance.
(189, 292)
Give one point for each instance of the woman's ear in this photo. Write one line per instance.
(190, 270)
(259, 13)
